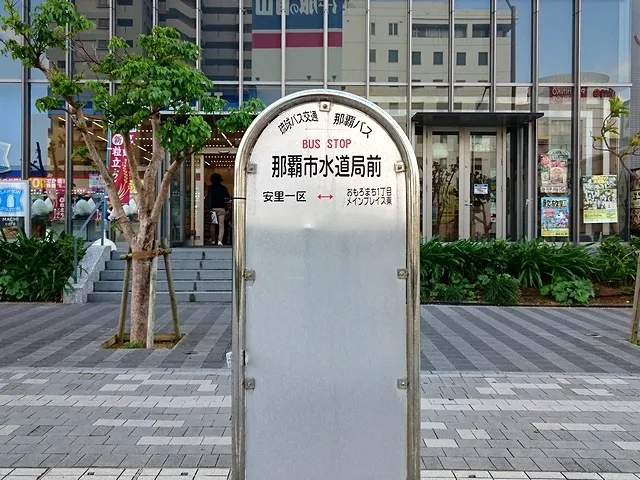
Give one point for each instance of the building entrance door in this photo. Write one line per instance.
(467, 183)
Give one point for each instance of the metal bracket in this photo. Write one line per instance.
(403, 273)
(249, 383)
(249, 275)
(252, 168)
(325, 106)
(403, 384)
(400, 167)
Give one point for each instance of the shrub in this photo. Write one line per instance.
(458, 290)
(36, 269)
(568, 292)
(615, 262)
(499, 289)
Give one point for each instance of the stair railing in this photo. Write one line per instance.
(80, 232)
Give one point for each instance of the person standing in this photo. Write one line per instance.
(217, 196)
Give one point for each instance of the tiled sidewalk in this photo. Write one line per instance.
(224, 474)
(469, 338)
(133, 419)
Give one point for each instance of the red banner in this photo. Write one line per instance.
(119, 165)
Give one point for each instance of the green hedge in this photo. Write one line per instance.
(36, 269)
(494, 271)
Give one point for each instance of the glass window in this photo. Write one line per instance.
(481, 30)
(372, 56)
(181, 15)
(262, 42)
(395, 13)
(55, 56)
(11, 131)
(430, 32)
(393, 29)
(429, 99)
(416, 58)
(473, 15)
(47, 151)
(8, 67)
(513, 43)
(372, 79)
(304, 40)
(471, 99)
(267, 93)
(483, 59)
(85, 51)
(393, 79)
(133, 21)
(605, 201)
(513, 99)
(87, 185)
(554, 165)
(555, 40)
(220, 30)
(373, 28)
(386, 97)
(347, 41)
(606, 57)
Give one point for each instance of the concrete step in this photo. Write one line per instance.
(180, 264)
(163, 297)
(179, 286)
(178, 275)
(197, 253)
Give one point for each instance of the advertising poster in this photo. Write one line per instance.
(554, 216)
(554, 171)
(635, 200)
(600, 199)
(119, 165)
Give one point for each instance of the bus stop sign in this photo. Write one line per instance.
(326, 294)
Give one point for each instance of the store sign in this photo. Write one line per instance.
(567, 92)
(304, 20)
(326, 286)
(15, 204)
(119, 165)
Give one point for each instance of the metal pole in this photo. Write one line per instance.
(125, 297)
(172, 293)
(575, 126)
(153, 283)
(75, 259)
(452, 54)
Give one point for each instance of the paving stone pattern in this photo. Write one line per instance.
(106, 418)
(453, 338)
(219, 474)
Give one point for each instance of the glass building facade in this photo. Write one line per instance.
(500, 99)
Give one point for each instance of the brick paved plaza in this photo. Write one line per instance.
(507, 393)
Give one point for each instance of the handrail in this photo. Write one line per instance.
(76, 236)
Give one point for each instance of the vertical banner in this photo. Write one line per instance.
(119, 165)
(600, 199)
(554, 218)
(635, 201)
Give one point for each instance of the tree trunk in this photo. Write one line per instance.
(140, 299)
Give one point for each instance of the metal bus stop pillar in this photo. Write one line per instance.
(326, 366)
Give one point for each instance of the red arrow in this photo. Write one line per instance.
(320, 197)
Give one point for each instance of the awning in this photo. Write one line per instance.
(474, 119)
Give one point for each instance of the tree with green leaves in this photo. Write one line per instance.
(157, 77)
(611, 129)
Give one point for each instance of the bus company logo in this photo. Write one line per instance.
(293, 7)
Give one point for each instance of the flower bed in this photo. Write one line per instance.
(36, 269)
(530, 272)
